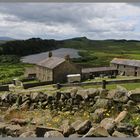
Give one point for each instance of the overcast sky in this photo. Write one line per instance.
(68, 20)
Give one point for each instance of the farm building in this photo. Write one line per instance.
(89, 73)
(53, 69)
(126, 67)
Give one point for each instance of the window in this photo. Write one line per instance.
(117, 66)
(136, 74)
(136, 68)
(124, 66)
(33, 75)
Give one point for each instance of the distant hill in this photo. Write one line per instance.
(6, 38)
(94, 52)
(37, 45)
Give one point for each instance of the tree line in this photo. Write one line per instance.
(26, 47)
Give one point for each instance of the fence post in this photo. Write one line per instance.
(58, 86)
(104, 84)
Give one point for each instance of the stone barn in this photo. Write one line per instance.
(126, 67)
(90, 73)
(54, 69)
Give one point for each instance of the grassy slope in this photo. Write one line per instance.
(105, 50)
(9, 71)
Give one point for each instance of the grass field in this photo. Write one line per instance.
(128, 86)
(9, 71)
(101, 52)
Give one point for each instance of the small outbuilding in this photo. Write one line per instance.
(90, 73)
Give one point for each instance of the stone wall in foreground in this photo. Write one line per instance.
(97, 101)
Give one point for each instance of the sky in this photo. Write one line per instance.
(69, 20)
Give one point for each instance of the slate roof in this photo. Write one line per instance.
(51, 62)
(98, 69)
(127, 62)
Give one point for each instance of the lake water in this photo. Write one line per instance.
(35, 58)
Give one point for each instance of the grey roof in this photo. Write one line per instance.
(51, 62)
(98, 69)
(128, 62)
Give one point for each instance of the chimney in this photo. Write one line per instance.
(67, 57)
(50, 54)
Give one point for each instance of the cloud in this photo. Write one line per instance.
(66, 20)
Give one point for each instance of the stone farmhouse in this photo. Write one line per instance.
(53, 69)
(126, 67)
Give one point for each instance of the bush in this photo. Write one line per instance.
(9, 59)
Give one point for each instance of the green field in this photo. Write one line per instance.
(10, 71)
(128, 86)
(100, 53)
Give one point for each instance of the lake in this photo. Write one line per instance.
(35, 58)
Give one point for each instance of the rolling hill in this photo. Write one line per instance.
(93, 52)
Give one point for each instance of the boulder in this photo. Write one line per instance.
(121, 89)
(125, 127)
(50, 98)
(97, 132)
(78, 98)
(44, 104)
(2, 118)
(122, 115)
(75, 136)
(21, 122)
(83, 127)
(103, 92)
(92, 92)
(138, 108)
(25, 106)
(4, 97)
(51, 134)
(121, 95)
(43, 97)
(2, 128)
(65, 95)
(38, 96)
(67, 128)
(73, 92)
(102, 103)
(34, 96)
(25, 97)
(131, 103)
(76, 123)
(111, 94)
(19, 100)
(137, 131)
(12, 98)
(28, 134)
(108, 124)
(134, 95)
(96, 98)
(57, 95)
(13, 130)
(83, 93)
(119, 134)
(98, 115)
(41, 130)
